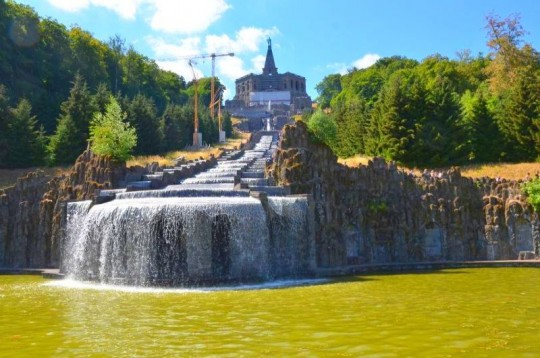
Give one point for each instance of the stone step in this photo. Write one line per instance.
(139, 185)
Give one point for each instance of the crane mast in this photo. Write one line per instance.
(197, 137)
(213, 79)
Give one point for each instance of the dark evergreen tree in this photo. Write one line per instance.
(226, 124)
(520, 118)
(71, 136)
(4, 120)
(142, 115)
(172, 123)
(480, 128)
(389, 133)
(26, 143)
(101, 98)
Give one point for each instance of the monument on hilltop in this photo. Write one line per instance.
(285, 93)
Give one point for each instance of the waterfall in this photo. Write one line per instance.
(200, 231)
(292, 248)
(170, 241)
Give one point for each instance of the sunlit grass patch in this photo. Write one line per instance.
(513, 171)
(355, 161)
(168, 159)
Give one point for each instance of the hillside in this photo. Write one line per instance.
(53, 80)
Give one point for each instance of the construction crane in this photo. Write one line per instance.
(195, 103)
(191, 60)
(212, 82)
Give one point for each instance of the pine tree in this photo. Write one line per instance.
(4, 118)
(71, 136)
(520, 115)
(226, 124)
(101, 98)
(170, 122)
(26, 143)
(480, 127)
(388, 131)
(142, 115)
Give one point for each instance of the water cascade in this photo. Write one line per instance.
(200, 231)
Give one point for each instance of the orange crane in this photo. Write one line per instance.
(195, 104)
(196, 137)
(212, 83)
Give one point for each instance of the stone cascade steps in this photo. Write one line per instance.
(235, 173)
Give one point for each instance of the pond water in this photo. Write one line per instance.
(479, 312)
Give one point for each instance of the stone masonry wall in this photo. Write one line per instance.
(378, 213)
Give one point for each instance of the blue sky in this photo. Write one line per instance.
(311, 38)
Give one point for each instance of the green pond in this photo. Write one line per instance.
(465, 312)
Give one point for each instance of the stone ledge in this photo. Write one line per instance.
(420, 266)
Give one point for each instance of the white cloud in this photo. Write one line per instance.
(258, 63)
(363, 62)
(247, 39)
(185, 17)
(174, 57)
(245, 43)
(339, 67)
(70, 5)
(189, 46)
(170, 16)
(127, 9)
(231, 67)
(181, 68)
(366, 61)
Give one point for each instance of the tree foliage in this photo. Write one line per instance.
(67, 75)
(323, 127)
(110, 134)
(441, 111)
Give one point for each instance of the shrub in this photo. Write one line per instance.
(532, 189)
(110, 135)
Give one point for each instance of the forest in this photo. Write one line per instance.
(53, 81)
(439, 112)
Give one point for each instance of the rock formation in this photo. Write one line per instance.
(379, 213)
(31, 212)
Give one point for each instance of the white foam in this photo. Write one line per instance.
(82, 285)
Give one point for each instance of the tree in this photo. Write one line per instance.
(101, 98)
(505, 38)
(226, 124)
(142, 115)
(4, 120)
(175, 127)
(323, 128)
(389, 132)
(520, 119)
(480, 128)
(110, 135)
(351, 118)
(329, 87)
(71, 136)
(25, 142)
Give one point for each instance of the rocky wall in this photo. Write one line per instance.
(379, 213)
(31, 212)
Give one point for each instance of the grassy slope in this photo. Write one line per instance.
(513, 171)
(169, 158)
(8, 177)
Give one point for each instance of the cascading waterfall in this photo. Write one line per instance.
(293, 251)
(200, 231)
(170, 241)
